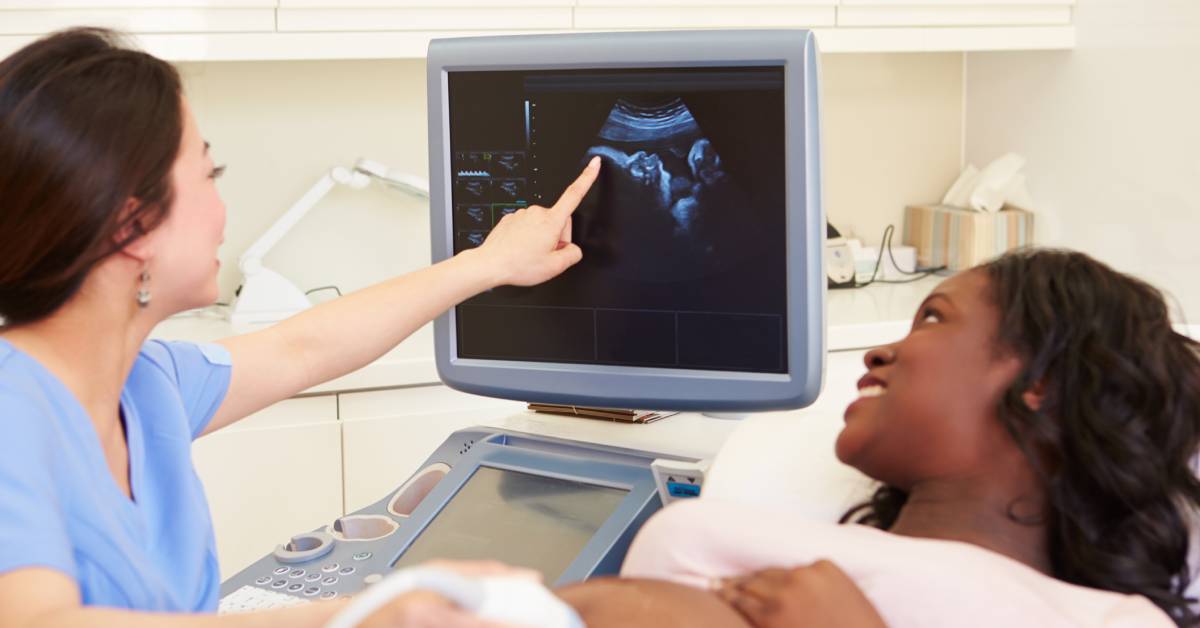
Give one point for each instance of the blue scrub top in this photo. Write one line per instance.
(60, 507)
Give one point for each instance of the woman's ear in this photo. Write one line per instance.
(1035, 395)
(131, 238)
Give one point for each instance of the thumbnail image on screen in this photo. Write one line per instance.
(683, 235)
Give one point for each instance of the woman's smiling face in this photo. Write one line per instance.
(927, 405)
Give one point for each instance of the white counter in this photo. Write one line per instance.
(857, 319)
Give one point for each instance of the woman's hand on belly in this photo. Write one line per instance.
(818, 595)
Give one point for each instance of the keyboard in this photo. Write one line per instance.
(250, 598)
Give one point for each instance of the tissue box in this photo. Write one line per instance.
(959, 238)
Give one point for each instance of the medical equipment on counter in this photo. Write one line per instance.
(702, 283)
(509, 600)
(265, 296)
(678, 479)
(839, 259)
(566, 509)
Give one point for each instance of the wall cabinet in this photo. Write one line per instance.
(31, 17)
(216, 30)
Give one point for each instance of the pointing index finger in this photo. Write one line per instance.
(575, 192)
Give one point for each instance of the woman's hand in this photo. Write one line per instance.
(818, 595)
(533, 244)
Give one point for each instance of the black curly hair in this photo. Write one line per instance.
(1114, 439)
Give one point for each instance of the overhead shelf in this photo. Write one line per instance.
(254, 30)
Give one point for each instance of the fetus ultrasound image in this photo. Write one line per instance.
(683, 233)
(659, 164)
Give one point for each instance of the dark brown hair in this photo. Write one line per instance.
(86, 125)
(1116, 431)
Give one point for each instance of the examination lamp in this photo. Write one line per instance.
(265, 296)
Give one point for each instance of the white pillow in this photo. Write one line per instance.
(787, 458)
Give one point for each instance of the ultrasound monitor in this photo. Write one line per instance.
(701, 285)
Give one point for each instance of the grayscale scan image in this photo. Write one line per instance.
(658, 162)
(683, 233)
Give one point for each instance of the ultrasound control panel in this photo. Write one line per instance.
(564, 508)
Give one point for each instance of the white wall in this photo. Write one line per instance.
(280, 126)
(892, 136)
(1111, 133)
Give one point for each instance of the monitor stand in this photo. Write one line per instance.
(619, 415)
(622, 415)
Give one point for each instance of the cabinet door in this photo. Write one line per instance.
(644, 14)
(387, 434)
(424, 15)
(270, 476)
(903, 13)
(35, 17)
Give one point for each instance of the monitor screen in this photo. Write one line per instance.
(702, 283)
(683, 235)
(521, 519)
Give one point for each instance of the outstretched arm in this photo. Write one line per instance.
(335, 338)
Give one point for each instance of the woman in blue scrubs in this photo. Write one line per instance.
(109, 223)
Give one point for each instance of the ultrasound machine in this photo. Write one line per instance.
(701, 289)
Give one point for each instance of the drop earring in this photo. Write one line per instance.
(143, 293)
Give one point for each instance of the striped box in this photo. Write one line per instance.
(960, 238)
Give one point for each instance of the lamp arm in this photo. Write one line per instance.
(251, 261)
(412, 184)
(408, 183)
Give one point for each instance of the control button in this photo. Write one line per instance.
(312, 577)
(345, 571)
(279, 571)
(263, 580)
(331, 567)
(362, 556)
(296, 573)
(294, 587)
(330, 580)
(329, 595)
(373, 578)
(311, 591)
(279, 584)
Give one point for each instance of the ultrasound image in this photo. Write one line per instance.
(504, 210)
(512, 189)
(476, 189)
(683, 233)
(469, 239)
(668, 192)
(510, 164)
(473, 217)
